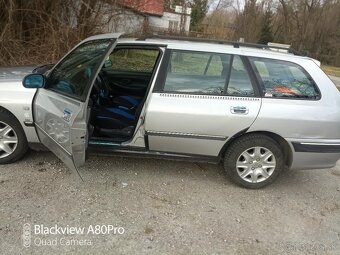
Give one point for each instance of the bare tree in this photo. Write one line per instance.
(40, 31)
(310, 26)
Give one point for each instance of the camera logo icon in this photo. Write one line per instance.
(26, 237)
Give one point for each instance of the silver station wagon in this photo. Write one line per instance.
(257, 109)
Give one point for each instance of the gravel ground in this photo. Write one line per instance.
(166, 207)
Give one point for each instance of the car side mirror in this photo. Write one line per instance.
(34, 81)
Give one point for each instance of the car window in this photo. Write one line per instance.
(132, 60)
(72, 75)
(214, 66)
(239, 83)
(284, 79)
(197, 72)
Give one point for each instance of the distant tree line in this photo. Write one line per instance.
(40, 31)
(310, 26)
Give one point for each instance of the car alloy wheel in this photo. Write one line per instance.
(254, 160)
(256, 164)
(8, 140)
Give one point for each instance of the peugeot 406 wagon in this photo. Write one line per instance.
(255, 108)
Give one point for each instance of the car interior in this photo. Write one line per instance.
(119, 92)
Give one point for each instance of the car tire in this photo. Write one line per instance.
(13, 142)
(253, 161)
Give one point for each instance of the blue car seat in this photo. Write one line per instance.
(119, 117)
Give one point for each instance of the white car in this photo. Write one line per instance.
(256, 109)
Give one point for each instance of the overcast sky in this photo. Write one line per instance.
(214, 3)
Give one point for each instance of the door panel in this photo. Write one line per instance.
(199, 103)
(127, 83)
(61, 107)
(130, 68)
(196, 124)
(61, 126)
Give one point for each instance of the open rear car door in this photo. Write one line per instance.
(61, 107)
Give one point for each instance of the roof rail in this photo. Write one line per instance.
(234, 44)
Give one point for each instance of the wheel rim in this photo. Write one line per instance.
(8, 140)
(256, 164)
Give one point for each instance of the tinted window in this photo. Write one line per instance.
(284, 79)
(197, 72)
(215, 65)
(239, 83)
(74, 73)
(135, 60)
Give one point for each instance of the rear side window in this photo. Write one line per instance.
(284, 79)
(197, 72)
(207, 73)
(197, 63)
(239, 83)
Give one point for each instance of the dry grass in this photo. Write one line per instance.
(331, 70)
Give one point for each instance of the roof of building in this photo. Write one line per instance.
(150, 7)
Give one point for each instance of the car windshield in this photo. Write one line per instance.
(73, 74)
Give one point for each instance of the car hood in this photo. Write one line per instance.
(14, 73)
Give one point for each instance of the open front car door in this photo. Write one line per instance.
(61, 107)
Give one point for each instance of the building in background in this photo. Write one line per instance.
(148, 16)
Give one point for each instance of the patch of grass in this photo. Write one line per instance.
(134, 60)
(195, 63)
(331, 70)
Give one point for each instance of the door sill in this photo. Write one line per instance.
(107, 140)
(114, 149)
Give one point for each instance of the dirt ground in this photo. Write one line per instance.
(164, 207)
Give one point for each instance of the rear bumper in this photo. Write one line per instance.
(314, 153)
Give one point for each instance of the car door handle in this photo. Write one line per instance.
(239, 110)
